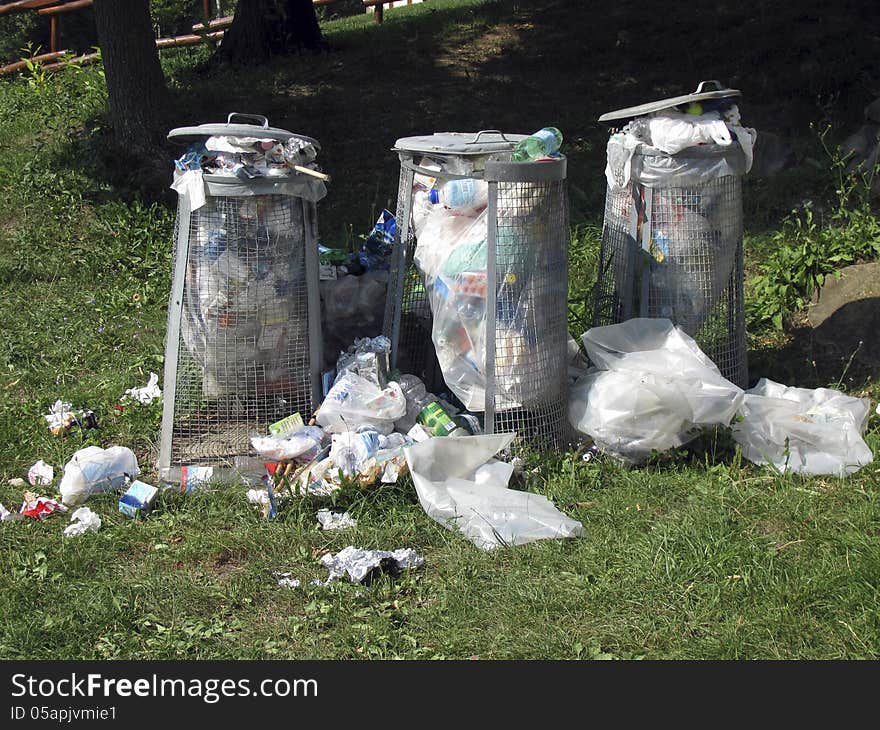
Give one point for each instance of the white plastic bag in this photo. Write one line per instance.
(654, 389)
(462, 487)
(805, 431)
(92, 470)
(672, 131)
(354, 401)
(300, 444)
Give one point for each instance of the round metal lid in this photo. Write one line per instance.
(702, 93)
(230, 129)
(460, 143)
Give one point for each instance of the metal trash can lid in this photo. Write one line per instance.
(702, 93)
(483, 142)
(229, 129)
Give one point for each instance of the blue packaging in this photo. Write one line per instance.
(138, 500)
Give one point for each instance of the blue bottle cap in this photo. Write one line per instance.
(434, 196)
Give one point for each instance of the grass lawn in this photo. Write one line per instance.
(699, 555)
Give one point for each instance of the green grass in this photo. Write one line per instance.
(697, 555)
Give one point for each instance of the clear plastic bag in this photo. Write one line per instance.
(804, 431)
(654, 389)
(353, 402)
(461, 486)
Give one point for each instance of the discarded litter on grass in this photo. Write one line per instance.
(802, 430)
(138, 499)
(145, 395)
(461, 486)
(93, 470)
(82, 520)
(62, 418)
(365, 565)
(39, 508)
(335, 520)
(285, 581)
(653, 389)
(41, 474)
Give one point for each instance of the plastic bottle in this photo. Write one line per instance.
(462, 196)
(543, 143)
(421, 209)
(423, 407)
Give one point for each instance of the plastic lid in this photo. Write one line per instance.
(263, 130)
(434, 195)
(705, 90)
(460, 143)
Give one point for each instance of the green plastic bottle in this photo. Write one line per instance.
(543, 143)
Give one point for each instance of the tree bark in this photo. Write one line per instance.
(137, 95)
(262, 29)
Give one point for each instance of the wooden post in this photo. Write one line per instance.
(379, 10)
(53, 33)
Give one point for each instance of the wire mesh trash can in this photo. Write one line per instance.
(243, 340)
(672, 231)
(479, 281)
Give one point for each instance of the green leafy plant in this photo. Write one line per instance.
(814, 244)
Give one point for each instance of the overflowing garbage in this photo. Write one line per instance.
(244, 324)
(672, 231)
(804, 431)
(645, 385)
(359, 432)
(451, 223)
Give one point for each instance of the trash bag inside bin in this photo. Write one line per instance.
(452, 256)
(245, 289)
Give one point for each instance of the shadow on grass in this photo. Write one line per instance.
(844, 351)
(517, 67)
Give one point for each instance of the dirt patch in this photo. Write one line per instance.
(228, 561)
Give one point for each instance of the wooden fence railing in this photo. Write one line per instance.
(216, 27)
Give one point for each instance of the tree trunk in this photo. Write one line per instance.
(137, 95)
(265, 28)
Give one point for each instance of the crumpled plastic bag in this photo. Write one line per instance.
(355, 401)
(462, 487)
(82, 520)
(93, 469)
(302, 444)
(654, 389)
(802, 430)
(673, 131)
(145, 395)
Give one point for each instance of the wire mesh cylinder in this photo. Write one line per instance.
(511, 354)
(673, 248)
(243, 340)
